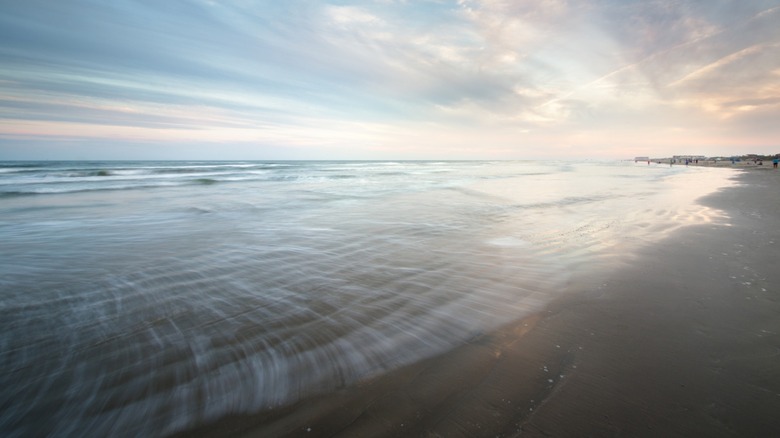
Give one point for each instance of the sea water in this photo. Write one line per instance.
(138, 298)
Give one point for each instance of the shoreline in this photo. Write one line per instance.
(687, 343)
(683, 342)
(725, 164)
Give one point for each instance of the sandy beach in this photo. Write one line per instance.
(682, 341)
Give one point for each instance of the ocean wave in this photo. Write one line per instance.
(61, 188)
(232, 291)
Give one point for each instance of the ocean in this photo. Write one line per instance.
(140, 298)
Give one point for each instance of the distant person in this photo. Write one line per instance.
(775, 161)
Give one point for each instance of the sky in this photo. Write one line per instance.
(388, 79)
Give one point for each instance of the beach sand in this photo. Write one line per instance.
(683, 341)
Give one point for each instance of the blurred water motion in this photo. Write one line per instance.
(138, 298)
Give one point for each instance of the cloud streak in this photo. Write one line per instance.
(389, 79)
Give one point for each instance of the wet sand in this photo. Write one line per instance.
(682, 341)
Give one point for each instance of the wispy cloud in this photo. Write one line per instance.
(390, 78)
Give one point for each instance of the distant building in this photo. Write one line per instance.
(689, 157)
(638, 159)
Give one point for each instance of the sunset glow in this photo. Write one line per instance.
(388, 79)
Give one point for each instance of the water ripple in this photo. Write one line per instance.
(140, 315)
